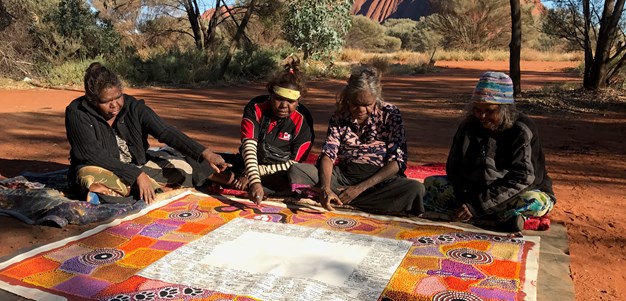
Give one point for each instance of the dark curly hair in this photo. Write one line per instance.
(97, 78)
(289, 75)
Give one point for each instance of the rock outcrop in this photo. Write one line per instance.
(381, 10)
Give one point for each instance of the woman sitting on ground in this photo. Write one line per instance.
(496, 166)
(276, 132)
(108, 134)
(366, 136)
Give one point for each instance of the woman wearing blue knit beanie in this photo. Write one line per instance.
(496, 165)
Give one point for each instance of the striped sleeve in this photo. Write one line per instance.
(274, 168)
(249, 151)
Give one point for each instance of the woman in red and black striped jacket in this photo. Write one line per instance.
(276, 132)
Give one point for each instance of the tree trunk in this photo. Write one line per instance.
(213, 25)
(608, 25)
(193, 14)
(515, 47)
(5, 18)
(235, 43)
(587, 42)
(306, 53)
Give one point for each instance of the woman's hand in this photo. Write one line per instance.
(463, 213)
(255, 193)
(327, 197)
(216, 161)
(241, 182)
(349, 193)
(146, 190)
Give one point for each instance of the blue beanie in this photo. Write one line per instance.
(494, 87)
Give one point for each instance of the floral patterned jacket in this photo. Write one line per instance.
(380, 140)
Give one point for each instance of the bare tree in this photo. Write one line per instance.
(515, 46)
(607, 38)
(236, 39)
(583, 24)
(193, 15)
(470, 24)
(212, 28)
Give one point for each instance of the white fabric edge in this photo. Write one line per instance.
(37, 294)
(532, 269)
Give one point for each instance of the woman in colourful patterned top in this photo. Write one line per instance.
(276, 132)
(366, 139)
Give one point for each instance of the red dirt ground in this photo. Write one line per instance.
(585, 153)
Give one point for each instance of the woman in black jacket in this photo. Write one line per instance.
(108, 134)
(496, 165)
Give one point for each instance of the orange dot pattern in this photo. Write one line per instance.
(442, 263)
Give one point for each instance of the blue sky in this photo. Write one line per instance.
(548, 4)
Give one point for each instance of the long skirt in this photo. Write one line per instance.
(394, 195)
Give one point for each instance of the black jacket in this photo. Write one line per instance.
(488, 169)
(93, 141)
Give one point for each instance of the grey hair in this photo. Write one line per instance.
(508, 115)
(363, 79)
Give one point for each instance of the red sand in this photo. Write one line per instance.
(585, 152)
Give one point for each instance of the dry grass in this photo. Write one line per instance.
(503, 55)
(381, 62)
(408, 62)
(416, 58)
(351, 55)
(7, 83)
(398, 63)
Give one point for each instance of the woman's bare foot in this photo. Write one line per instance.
(102, 189)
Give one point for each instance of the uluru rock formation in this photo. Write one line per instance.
(381, 10)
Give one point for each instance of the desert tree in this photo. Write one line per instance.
(317, 27)
(134, 17)
(597, 28)
(18, 49)
(69, 29)
(369, 35)
(237, 38)
(472, 25)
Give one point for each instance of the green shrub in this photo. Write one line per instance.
(365, 34)
(404, 29)
(391, 44)
(252, 63)
(167, 67)
(70, 73)
(281, 52)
